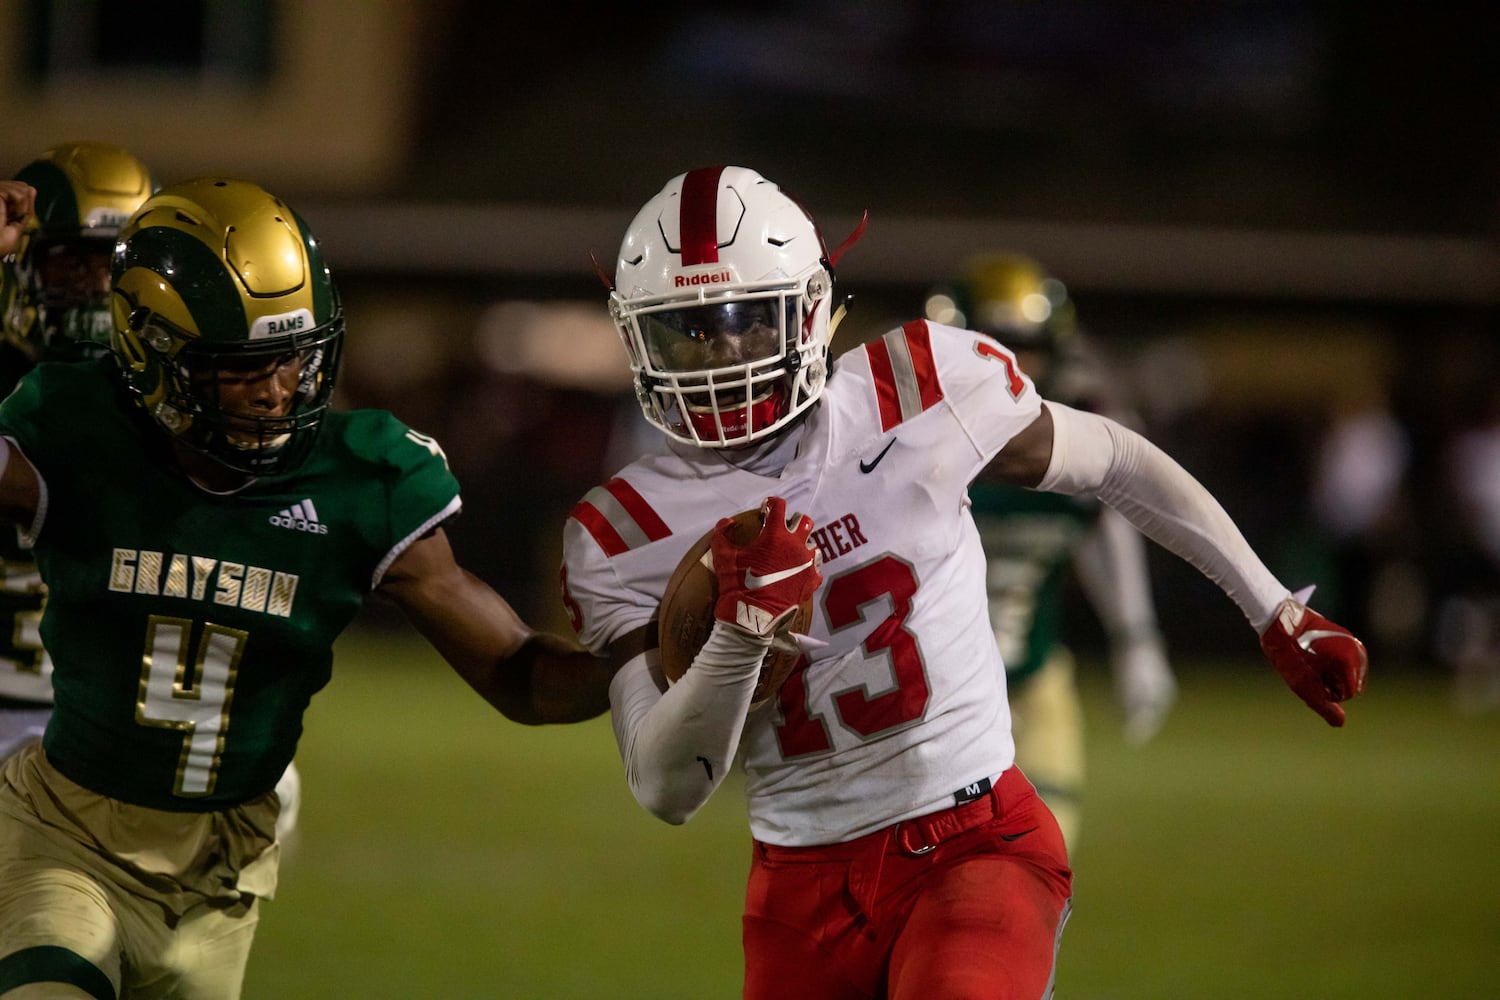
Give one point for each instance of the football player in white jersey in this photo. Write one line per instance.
(897, 849)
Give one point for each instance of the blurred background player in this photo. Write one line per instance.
(1468, 549)
(1033, 539)
(54, 306)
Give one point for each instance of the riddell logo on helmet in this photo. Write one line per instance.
(719, 277)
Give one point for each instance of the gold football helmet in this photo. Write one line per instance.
(1010, 297)
(56, 292)
(216, 281)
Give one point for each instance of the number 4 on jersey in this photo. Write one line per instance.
(190, 690)
(429, 443)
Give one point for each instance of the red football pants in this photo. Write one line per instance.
(969, 902)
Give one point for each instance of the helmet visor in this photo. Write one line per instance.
(70, 285)
(713, 336)
(269, 386)
(75, 269)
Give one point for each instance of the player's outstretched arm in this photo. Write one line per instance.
(678, 743)
(1070, 451)
(531, 677)
(20, 489)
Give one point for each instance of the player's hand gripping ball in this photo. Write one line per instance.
(753, 571)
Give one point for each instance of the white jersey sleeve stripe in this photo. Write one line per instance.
(453, 507)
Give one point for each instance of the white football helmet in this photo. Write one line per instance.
(722, 293)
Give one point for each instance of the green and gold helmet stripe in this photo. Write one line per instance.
(324, 295)
(183, 280)
(245, 266)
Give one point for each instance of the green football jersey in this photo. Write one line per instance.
(1029, 541)
(188, 631)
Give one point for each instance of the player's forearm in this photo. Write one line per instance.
(677, 746)
(546, 679)
(551, 680)
(20, 488)
(530, 677)
(1093, 454)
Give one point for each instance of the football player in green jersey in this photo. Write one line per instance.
(1034, 540)
(206, 526)
(54, 306)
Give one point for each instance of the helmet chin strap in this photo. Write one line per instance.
(837, 318)
(209, 475)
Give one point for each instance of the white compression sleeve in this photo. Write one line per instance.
(1093, 454)
(677, 745)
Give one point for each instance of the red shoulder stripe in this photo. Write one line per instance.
(619, 518)
(604, 534)
(885, 384)
(636, 506)
(924, 368)
(905, 373)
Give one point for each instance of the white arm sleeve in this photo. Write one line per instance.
(1092, 454)
(677, 745)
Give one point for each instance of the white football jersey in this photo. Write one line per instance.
(902, 703)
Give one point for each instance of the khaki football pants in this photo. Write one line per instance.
(1047, 722)
(102, 899)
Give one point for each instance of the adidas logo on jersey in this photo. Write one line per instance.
(302, 516)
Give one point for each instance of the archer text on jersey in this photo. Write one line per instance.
(839, 537)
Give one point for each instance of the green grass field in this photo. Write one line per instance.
(1248, 852)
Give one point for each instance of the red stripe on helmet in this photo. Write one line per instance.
(639, 510)
(698, 221)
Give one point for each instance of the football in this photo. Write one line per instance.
(687, 613)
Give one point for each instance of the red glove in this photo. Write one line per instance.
(1323, 663)
(766, 580)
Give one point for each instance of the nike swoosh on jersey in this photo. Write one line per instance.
(870, 466)
(1306, 639)
(754, 582)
